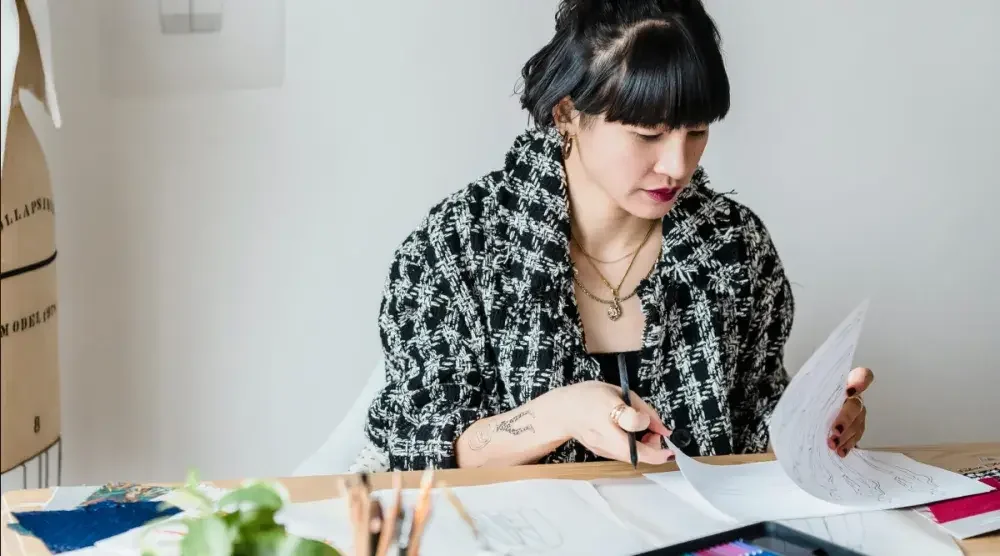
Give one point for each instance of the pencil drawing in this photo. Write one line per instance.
(908, 479)
(802, 426)
(518, 531)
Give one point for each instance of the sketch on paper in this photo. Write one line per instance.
(526, 517)
(518, 531)
(810, 479)
(805, 414)
(801, 426)
(908, 479)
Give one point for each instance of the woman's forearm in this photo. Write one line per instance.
(522, 435)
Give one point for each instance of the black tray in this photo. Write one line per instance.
(769, 535)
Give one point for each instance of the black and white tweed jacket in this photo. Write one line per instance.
(479, 316)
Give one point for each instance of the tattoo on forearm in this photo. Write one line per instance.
(511, 425)
(480, 439)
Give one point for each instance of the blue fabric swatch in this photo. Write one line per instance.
(65, 530)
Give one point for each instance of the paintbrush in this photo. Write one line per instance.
(460, 508)
(392, 520)
(421, 512)
(359, 509)
(376, 519)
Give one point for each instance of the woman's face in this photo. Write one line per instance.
(641, 169)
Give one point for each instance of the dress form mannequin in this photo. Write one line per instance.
(29, 356)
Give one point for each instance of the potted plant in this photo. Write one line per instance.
(241, 524)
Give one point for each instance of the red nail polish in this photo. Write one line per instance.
(840, 428)
(851, 391)
(836, 441)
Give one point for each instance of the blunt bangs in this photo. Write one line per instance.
(656, 74)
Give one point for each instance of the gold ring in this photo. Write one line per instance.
(616, 413)
(859, 398)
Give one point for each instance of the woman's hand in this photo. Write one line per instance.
(585, 411)
(849, 425)
(589, 411)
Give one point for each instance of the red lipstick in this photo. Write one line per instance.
(664, 195)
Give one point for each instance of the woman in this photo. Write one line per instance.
(507, 310)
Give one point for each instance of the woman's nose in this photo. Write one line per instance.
(672, 157)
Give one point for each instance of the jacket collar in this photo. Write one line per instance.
(535, 196)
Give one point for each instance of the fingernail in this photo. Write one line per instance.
(851, 391)
(836, 441)
(840, 428)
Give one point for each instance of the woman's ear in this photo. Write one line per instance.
(566, 116)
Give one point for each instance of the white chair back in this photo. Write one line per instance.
(345, 442)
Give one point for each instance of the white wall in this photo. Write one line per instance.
(865, 135)
(222, 255)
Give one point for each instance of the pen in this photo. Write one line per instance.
(623, 377)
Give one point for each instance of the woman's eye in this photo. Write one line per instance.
(647, 137)
(698, 133)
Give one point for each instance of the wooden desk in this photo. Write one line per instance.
(956, 457)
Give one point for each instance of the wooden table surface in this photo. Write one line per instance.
(960, 458)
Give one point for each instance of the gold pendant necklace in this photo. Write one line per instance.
(615, 303)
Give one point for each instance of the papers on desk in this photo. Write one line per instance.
(970, 516)
(808, 479)
(551, 517)
(683, 514)
(554, 517)
(608, 517)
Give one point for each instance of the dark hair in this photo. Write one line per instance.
(639, 62)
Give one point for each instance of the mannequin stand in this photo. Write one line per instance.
(43, 462)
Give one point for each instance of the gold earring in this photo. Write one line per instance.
(567, 146)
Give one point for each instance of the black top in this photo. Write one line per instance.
(609, 367)
(479, 316)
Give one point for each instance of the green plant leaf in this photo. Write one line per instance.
(253, 522)
(242, 524)
(296, 546)
(207, 535)
(191, 495)
(256, 495)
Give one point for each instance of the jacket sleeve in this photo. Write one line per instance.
(432, 343)
(762, 375)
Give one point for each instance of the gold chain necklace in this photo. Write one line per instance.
(615, 303)
(618, 260)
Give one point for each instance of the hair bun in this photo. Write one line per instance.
(582, 14)
(589, 14)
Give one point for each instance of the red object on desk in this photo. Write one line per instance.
(959, 508)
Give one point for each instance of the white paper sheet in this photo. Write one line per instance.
(809, 479)
(322, 520)
(550, 517)
(667, 512)
(801, 424)
(752, 491)
(878, 533)
(67, 498)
